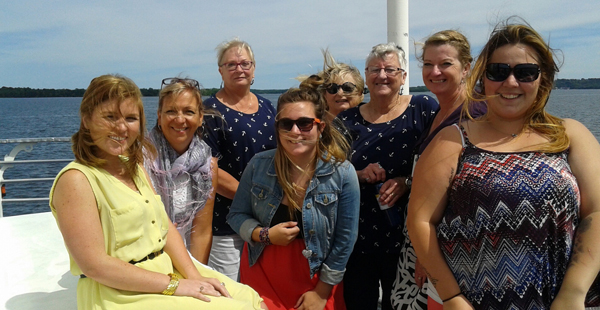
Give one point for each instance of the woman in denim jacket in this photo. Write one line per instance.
(297, 207)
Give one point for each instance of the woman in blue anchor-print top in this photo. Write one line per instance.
(297, 207)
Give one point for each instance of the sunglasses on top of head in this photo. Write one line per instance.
(524, 73)
(347, 88)
(188, 82)
(304, 123)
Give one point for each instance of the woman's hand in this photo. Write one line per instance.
(420, 275)
(201, 288)
(373, 173)
(391, 191)
(311, 301)
(315, 299)
(284, 233)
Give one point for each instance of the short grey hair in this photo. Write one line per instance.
(381, 50)
(233, 43)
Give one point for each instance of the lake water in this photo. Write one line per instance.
(58, 117)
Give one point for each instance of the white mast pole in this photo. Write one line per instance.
(397, 30)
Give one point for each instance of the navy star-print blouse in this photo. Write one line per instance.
(234, 138)
(391, 145)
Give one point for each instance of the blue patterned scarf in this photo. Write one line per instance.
(169, 166)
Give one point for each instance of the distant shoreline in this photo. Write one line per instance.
(27, 92)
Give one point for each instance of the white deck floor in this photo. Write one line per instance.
(35, 265)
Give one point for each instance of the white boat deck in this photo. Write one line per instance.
(35, 265)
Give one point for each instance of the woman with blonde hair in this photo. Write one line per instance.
(446, 62)
(341, 85)
(244, 127)
(505, 207)
(121, 243)
(184, 174)
(297, 209)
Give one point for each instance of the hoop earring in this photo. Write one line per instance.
(401, 89)
(252, 83)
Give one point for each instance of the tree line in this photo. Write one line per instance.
(27, 92)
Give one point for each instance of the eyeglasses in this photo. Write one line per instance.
(186, 114)
(524, 73)
(174, 80)
(304, 123)
(231, 66)
(389, 71)
(347, 88)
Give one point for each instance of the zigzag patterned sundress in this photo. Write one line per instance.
(508, 230)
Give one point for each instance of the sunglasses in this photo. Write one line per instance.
(347, 88)
(524, 73)
(304, 123)
(187, 82)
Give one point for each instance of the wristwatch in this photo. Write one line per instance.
(408, 181)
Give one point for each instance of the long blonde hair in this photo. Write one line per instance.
(537, 118)
(331, 145)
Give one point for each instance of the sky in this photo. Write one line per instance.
(66, 43)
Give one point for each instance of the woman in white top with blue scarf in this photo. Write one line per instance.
(184, 172)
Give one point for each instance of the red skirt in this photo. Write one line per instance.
(281, 275)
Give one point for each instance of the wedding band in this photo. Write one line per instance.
(367, 179)
(223, 283)
(201, 289)
(392, 195)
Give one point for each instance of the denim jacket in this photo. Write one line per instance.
(329, 212)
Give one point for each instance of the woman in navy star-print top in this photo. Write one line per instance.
(245, 127)
(384, 132)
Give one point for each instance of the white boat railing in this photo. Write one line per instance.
(25, 144)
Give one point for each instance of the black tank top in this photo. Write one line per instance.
(283, 215)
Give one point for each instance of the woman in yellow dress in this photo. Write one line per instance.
(120, 241)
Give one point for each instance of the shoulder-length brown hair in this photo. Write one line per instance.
(108, 88)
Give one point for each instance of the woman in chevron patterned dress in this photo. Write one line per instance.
(505, 208)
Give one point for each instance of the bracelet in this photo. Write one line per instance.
(447, 299)
(263, 236)
(170, 290)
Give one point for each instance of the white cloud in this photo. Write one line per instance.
(63, 44)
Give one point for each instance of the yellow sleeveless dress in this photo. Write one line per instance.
(135, 225)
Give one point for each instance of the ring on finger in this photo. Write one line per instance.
(367, 179)
(223, 283)
(201, 289)
(392, 195)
